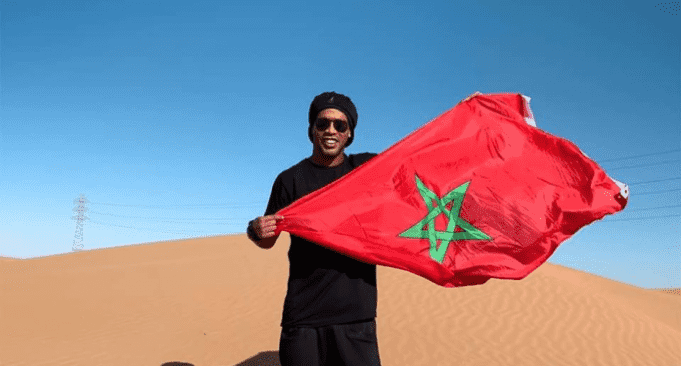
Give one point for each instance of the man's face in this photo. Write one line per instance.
(330, 142)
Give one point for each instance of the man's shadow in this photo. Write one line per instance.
(267, 358)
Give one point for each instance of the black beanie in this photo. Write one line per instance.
(337, 101)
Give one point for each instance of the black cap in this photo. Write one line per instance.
(337, 101)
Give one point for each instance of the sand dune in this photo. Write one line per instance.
(218, 301)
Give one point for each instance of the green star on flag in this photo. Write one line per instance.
(456, 197)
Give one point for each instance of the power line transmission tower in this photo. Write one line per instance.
(80, 217)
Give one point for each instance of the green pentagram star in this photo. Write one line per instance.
(456, 196)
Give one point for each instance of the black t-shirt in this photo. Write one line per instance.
(324, 287)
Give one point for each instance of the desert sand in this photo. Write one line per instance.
(218, 301)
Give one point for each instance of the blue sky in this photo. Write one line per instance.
(174, 117)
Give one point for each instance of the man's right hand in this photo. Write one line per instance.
(264, 227)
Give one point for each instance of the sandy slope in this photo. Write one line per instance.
(218, 301)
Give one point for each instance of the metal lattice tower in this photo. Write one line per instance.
(80, 217)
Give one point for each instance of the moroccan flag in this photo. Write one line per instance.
(477, 193)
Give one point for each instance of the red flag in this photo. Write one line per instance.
(477, 193)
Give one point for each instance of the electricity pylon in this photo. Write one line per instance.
(80, 217)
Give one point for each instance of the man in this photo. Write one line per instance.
(330, 306)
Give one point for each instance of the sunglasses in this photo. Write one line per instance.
(322, 124)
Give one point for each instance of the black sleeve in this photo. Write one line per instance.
(279, 197)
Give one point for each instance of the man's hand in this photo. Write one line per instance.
(264, 226)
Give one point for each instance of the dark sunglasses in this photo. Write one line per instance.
(322, 124)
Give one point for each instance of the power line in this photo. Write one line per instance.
(253, 204)
(640, 156)
(641, 218)
(244, 221)
(656, 192)
(190, 232)
(653, 181)
(179, 219)
(198, 205)
(200, 231)
(152, 230)
(168, 218)
(644, 165)
(259, 204)
(226, 219)
(652, 208)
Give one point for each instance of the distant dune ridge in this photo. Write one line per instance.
(218, 301)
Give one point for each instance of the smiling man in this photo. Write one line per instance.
(330, 306)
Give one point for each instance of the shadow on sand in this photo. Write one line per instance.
(267, 358)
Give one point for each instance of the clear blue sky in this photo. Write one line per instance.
(174, 117)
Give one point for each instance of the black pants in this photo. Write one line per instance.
(346, 344)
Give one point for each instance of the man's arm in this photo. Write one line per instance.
(261, 229)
